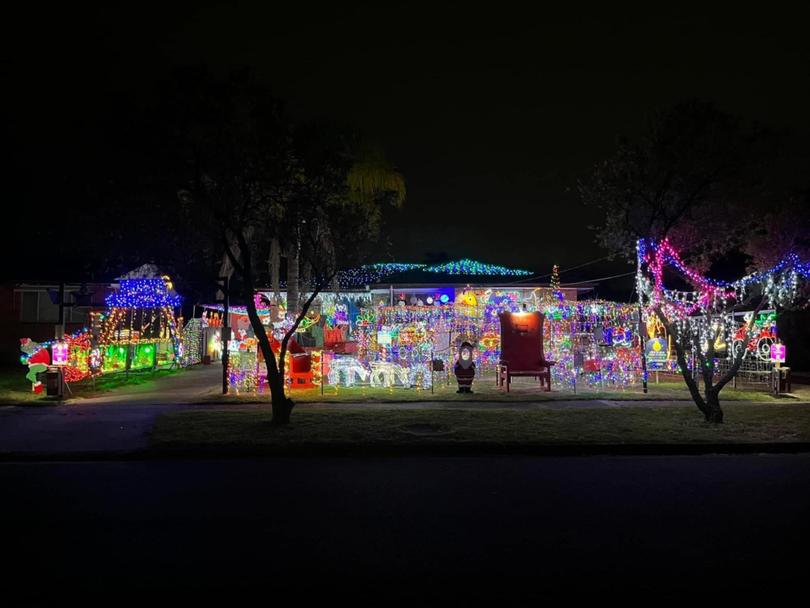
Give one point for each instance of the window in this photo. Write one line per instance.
(48, 311)
(29, 306)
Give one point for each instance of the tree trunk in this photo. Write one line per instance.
(275, 266)
(715, 412)
(292, 281)
(282, 405)
(680, 353)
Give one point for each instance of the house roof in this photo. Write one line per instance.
(459, 272)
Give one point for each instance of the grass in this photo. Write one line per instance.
(522, 390)
(16, 390)
(249, 430)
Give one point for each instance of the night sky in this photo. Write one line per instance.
(491, 115)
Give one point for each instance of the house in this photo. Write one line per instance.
(30, 309)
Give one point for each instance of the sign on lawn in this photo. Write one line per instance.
(656, 352)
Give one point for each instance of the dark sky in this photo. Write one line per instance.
(491, 115)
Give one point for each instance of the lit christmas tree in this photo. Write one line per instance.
(555, 278)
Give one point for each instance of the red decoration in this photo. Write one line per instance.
(41, 356)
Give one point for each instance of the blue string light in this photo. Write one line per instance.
(143, 293)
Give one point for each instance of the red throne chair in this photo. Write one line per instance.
(522, 349)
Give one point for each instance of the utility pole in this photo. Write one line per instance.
(643, 352)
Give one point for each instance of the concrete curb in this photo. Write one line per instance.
(438, 449)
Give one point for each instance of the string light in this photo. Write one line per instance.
(705, 314)
(144, 293)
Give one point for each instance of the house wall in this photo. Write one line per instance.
(27, 311)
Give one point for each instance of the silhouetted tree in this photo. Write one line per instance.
(698, 177)
(693, 169)
(258, 184)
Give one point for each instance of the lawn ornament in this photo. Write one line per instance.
(37, 359)
(346, 369)
(385, 373)
(465, 368)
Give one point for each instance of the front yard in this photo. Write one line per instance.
(15, 389)
(522, 390)
(249, 430)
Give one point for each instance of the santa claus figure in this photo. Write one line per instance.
(465, 368)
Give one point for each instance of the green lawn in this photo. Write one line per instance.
(15, 389)
(522, 390)
(249, 430)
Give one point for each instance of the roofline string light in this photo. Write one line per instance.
(373, 273)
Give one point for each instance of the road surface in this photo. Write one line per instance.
(421, 531)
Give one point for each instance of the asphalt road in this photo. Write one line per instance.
(421, 531)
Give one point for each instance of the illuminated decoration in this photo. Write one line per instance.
(467, 298)
(595, 343)
(705, 314)
(144, 293)
(72, 354)
(657, 352)
(779, 284)
(59, 353)
(762, 336)
(317, 364)
(345, 371)
(375, 273)
(471, 267)
(138, 331)
(193, 336)
(491, 341)
(778, 352)
(384, 373)
(243, 373)
(555, 278)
